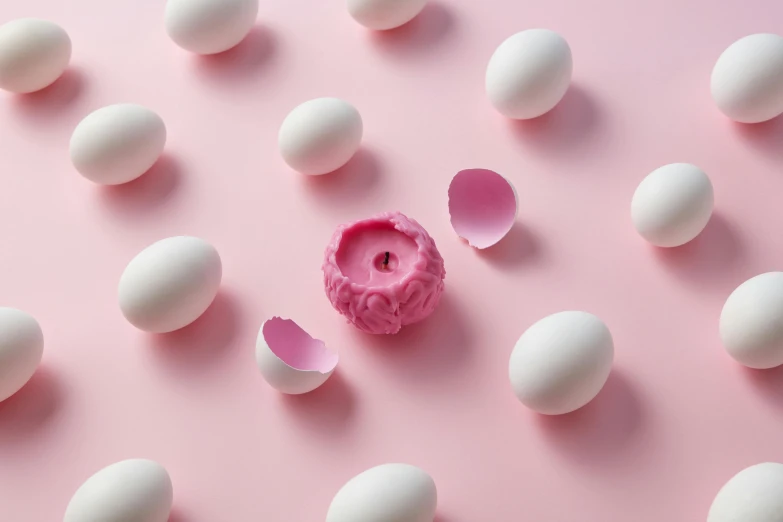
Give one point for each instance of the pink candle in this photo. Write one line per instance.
(383, 273)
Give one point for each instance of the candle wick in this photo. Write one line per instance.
(386, 260)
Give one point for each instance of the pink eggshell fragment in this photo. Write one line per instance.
(482, 205)
(290, 359)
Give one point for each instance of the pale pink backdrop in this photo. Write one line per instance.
(676, 419)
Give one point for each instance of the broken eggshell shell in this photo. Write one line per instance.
(482, 205)
(291, 360)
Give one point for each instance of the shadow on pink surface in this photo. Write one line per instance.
(768, 384)
(440, 346)
(710, 259)
(245, 61)
(519, 248)
(326, 411)
(351, 184)
(564, 129)
(151, 190)
(203, 344)
(421, 34)
(178, 516)
(765, 137)
(52, 101)
(32, 407)
(596, 434)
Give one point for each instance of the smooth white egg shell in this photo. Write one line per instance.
(755, 494)
(747, 80)
(290, 360)
(672, 205)
(561, 362)
(118, 143)
(320, 136)
(169, 284)
(136, 490)
(751, 322)
(33, 54)
(384, 14)
(386, 493)
(209, 26)
(529, 74)
(21, 349)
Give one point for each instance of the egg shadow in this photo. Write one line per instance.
(563, 130)
(599, 432)
(768, 384)
(520, 247)
(765, 137)
(151, 190)
(204, 343)
(178, 516)
(54, 100)
(326, 411)
(245, 61)
(351, 184)
(422, 34)
(440, 346)
(710, 260)
(30, 409)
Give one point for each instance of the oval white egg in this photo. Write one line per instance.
(320, 136)
(755, 494)
(747, 80)
(169, 284)
(561, 362)
(529, 73)
(672, 205)
(209, 26)
(290, 360)
(751, 322)
(21, 349)
(386, 493)
(385, 14)
(136, 490)
(33, 54)
(118, 143)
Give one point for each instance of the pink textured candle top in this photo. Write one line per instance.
(383, 273)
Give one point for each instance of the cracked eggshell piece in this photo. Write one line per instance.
(751, 322)
(290, 360)
(561, 362)
(118, 143)
(386, 493)
(320, 136)
(33, 54)
(529, 74)
(209, 26)
(755, 494)
(136, 490)
(382, 15)
(169, 284)
(21, 349)
(747, 80)
(482, 205)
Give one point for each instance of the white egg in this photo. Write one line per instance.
(118, 143)
(384, 14)
(33, 54)
(320, 136)
(169, 284)
(209, 26)
(21, 349)
(751, 322)
(672, 205)
(529, 73)
(290, 360)
(135, 490)
(386, 493)
(747, 80)
(755, 494)
(561, 362)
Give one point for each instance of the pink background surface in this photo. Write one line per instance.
(676, 419)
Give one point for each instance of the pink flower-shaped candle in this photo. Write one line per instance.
(383, 272)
